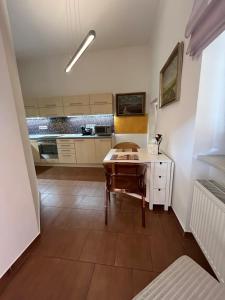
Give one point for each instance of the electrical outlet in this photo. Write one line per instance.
(43, 127)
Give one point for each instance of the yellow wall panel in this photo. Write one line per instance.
(131, 124)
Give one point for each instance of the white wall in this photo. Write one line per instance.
(19, 208)
(176, 121)
(117, 70)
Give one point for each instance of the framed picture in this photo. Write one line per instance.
(130, 104)
(170, 76)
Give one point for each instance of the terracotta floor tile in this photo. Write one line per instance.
(92, 202)
(133, 251)
(141, 279)
(79, 218)
(110, 283)
(62, 243)
(121, 222)
(48, 215)
(73, 229)
(130, 203)
(49, 278)
(100, 247)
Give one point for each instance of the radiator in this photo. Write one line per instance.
(208, 223)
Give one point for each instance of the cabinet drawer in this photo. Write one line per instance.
(76, 110)
(65, 141)
(78, 100)
(101, 99)
(160, 169)
(65, 146)
(67, 158)
(159, 181)
(159, 196)
(66, 150)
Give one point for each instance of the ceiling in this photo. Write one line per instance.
(50, 27)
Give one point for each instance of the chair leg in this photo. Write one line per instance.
(143, 211)
(107, 193)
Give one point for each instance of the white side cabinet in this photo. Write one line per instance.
(160, 178)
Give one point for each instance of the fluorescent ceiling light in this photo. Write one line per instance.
(83, 46)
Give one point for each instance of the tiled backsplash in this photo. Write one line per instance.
(66, 124)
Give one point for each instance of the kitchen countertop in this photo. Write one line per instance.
(66, 136)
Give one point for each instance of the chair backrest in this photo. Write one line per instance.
(126, 145)
(126, 177)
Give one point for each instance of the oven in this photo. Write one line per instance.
(48, 149)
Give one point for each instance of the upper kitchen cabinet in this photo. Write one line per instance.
(76, 105)
(101, 103)
(50, 107)
(31, 107)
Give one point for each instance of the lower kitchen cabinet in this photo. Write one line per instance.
(85, 151)
(35, 151)
(102, 147)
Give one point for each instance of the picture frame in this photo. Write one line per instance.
(170, 77)
(130, 104)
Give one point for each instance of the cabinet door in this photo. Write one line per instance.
(101, 103)
(35, 151)
(51, 111)
(85, 151)
(102, 147)
(101, 99)
(50, 102)
(31, 107)
(76, 105)
(74, 110)
(98, 109)
(77, 100)
(31, 111)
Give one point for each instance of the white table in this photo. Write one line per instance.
(159, 175)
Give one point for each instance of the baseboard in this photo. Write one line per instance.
(7, 277)
(184, 232)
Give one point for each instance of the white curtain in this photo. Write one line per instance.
(206, 22)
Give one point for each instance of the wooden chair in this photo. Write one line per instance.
(125, 178)
(126, 145)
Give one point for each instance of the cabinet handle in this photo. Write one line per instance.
(159, 190)
(160, 163)
(74, 104)
(160, 176)
(101, 102)
(50, 105)
(79, 141)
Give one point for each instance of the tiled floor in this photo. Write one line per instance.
(78, 257)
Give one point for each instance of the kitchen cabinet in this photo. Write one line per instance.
(66, 151)
(76, 105)
(102, 147)
(101, 103)
(50, 107)
(31, 107)
(35, 151)
(85, 151)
